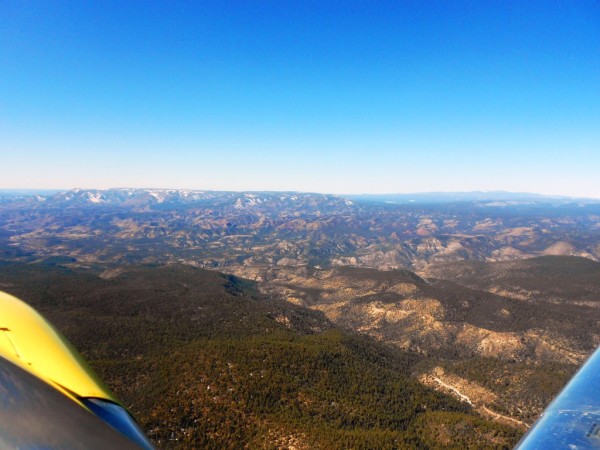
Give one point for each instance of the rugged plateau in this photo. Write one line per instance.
(491, 299)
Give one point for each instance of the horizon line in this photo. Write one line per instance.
(361, 194)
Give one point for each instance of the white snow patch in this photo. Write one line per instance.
(159, 198)
(96, 197)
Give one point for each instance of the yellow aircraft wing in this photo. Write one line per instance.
(30, 343)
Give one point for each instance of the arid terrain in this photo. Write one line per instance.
(224, 229)
(515, 345)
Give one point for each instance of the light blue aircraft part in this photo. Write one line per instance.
(572, 420)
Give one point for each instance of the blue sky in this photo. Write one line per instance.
(343, 97)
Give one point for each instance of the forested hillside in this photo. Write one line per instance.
(203, 361)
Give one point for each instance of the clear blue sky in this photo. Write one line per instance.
(344, 97)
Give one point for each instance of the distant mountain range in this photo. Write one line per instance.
(475, 196)
(139, 196)
(168, 197)
(237, 229)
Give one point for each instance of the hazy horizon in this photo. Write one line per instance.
(350, 194)
(311, 96)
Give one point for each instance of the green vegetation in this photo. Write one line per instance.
(202, 364)
(523, 389)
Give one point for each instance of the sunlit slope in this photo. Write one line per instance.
(508, 355)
